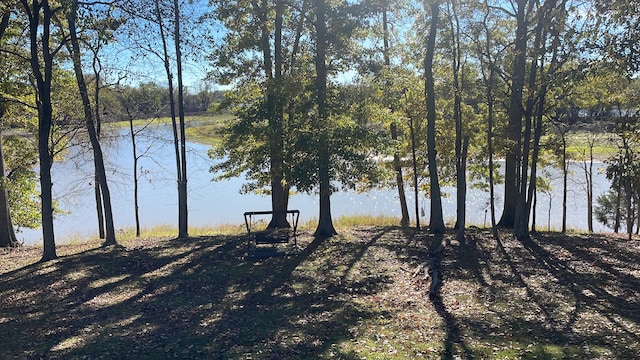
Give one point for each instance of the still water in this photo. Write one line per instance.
(214, 203)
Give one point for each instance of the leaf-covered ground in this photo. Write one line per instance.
(354, 296)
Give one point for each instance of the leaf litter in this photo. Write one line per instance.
(353, 296)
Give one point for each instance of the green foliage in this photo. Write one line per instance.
(243, 150)
(620, 205)
(21, 181)
(611, 208)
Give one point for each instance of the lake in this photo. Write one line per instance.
(215, 203)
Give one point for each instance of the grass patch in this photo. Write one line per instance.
(605, 145)
(352, 296)
(203, 129)
(190, 120)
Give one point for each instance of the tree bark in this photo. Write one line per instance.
(436, 224)
(461, 149)
(325, 223)
(589, 177)
(98, 122)
(7, 233)
(134, 149)
(275, 115)
(110, 236)
(39, 45)
(393, 128)
(565, 175)
(183, 209)
(174, 125)
(488, 76)
(514, 128)
(414, 163)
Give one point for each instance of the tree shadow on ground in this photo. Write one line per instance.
(194, 298)
(346, 297)
(552, 296)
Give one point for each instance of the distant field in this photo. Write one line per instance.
(605, 145)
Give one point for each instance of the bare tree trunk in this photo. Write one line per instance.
(414, 162)
(404, 220)
(461, 174)
(618, 220)
(630, 216)
(134, 147)
(97, 190)
(488, 78)
(532, 196)
(461, 149)
(436, 225)
(588, 173)
(183, 209)
(74, 49)
(565, 175)
(174, 124)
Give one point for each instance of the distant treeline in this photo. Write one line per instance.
(148, 100)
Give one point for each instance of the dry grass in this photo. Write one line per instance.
(353, 296)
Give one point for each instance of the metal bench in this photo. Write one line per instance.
(265, 236)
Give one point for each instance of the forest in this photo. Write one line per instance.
(330, 95)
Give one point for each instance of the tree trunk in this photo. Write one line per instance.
(325, 223)
(589, 177)
(532, 192)
(514, 128)
(174, 125)
(565, 175)
(74, 49)
(183, 209)
(436, 225)
(41, 47)
(97, 190)
(461, 175)
(461, 149)
(7, 233)
(275, 116)
(134, 148)
(488, 78)
(404, 220)
(414, 162)
(397, 167)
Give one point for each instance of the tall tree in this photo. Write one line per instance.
(516, 112)
(436, 224)
(183, 209)
(95, 40)
(275, 41)
(462, 140)
(325, 223)
(393, 127)
(488, 70)
(39, 14)
(7, 232)
(101, 176)
(552, 47)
